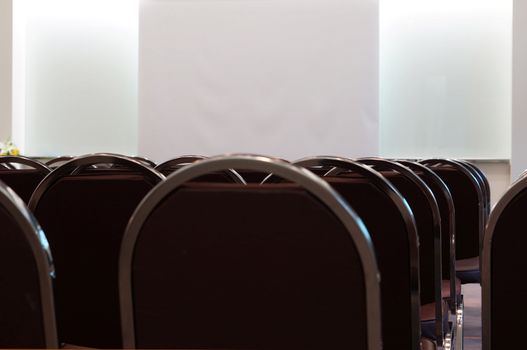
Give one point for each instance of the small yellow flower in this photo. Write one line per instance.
(8, 149)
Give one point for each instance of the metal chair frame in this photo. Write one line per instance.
(179, 162)
(79, 164)
(477, 185)
(429, 174)
(313, 184)
(382, 164)
(62, 159)
(336, 163)
(486, 277)
(43, 259)
(8, 161)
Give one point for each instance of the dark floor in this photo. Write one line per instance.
(472, 316)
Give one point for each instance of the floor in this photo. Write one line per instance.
(472, 319)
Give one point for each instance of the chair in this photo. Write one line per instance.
(503, 264)
(22, 174)
(144, 161)
(256, 176)
(168, 167)
(27, 317)
(273, 266)
(58, 161)
(172, 165)
(484, 184)
(394, 235)
(84, 210)
(434, 321)
(447, 213)
(470, 215)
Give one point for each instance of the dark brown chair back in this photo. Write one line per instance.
(428, 222)
(27, 316)
(448, 228)
(84, 211)
(468, 202)
(236, 266)
(168, 167)
(172, 165)
(504, 285)
(484, 184)
(22, 174)
(392, 227)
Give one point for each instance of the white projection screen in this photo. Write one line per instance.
(287, 78)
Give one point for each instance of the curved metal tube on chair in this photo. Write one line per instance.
(61, 159)
(78, 164)
(385, 186)
(187, 159)
(384, 164)
(466, 170)
(43, 258)
(484, 182)
(472, 178)
(312, 183)
(452, 227)
(145, 161)
(178, 162)
(486, 278)
(7, 160)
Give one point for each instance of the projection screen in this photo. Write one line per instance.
(287, 78)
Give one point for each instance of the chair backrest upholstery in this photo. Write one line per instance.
(172, 165)
(84, 211)
(448, 227)
(248, 266)
(504, 285)
(393, 230)
(27, 318)
(468, 202)
(484, 184)
(22, 180)
(428, 222)
(168, 167)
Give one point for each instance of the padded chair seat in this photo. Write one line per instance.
(445, 289)
(428, 313)
(467, 270)
(469, 264)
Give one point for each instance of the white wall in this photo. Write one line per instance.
(445, 77)
(76, 76)
(519, 95)
(6, 55)
(499, 175)
(289, 78)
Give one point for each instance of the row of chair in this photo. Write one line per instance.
(294, 280)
